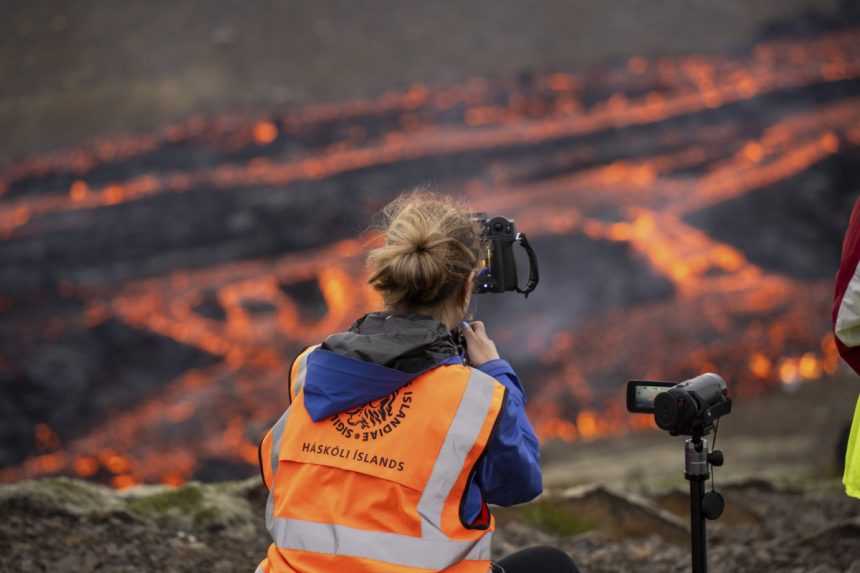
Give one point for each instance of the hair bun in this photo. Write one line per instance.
(431, 247)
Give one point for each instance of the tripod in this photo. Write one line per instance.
(710, 505)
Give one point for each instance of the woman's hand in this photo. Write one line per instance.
(478, 345)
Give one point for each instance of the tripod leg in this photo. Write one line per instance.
(698, 539)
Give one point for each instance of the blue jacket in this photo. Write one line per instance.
(509, 471)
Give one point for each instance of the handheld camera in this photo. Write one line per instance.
(498, 267)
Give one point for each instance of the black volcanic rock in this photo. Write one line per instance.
(579, 278)
(313, 305)
(173, 231)
(214, 469)
(72, 382)
(210, 307)
(794, 227)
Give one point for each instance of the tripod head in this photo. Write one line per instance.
(697, 467)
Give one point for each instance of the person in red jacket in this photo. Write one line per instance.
(846, 302)
(846, 329)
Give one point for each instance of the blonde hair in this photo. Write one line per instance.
(431, 247)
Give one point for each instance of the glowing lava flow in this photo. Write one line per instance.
(545, 155)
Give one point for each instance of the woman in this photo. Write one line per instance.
(394, 442)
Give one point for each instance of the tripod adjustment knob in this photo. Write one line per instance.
(715, 458)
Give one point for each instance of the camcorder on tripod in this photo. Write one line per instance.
(692, 408)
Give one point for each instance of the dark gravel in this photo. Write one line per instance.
(66, 525)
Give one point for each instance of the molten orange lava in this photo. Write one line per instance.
(761, 329)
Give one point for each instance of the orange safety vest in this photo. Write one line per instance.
(378, 489)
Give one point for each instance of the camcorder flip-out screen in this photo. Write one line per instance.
(641, 394)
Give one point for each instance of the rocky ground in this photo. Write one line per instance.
(765, 528)
(66, 525)
(617, 505)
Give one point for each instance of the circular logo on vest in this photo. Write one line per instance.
(375, 419)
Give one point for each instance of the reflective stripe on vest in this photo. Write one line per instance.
(299, 372)
(851, 478)
(433, 549)
(277, 435)
(435, 554)
(464, 429)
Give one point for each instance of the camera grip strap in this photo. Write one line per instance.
(534, 272)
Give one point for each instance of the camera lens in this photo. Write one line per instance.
(675, 410)
(666, 411)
